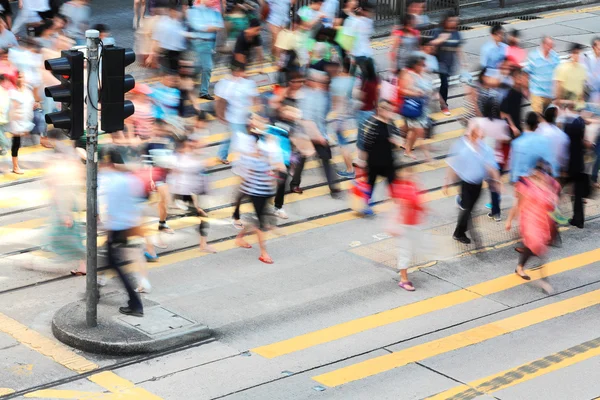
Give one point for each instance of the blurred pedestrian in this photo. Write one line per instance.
(405, 43)
(591, 60)
(21, 118)
(6, 13)
(528, 149)
(515, 54)
(448, 41)
(278, 19)
(4, 116)
(205, 23)
(472, 162)
(78, 14)
(576, 171)
(139, 9)
(559, 143)
(235, 96)
(381, 137)
(258, 182)
(536, 196)
(416, 8)
(7, 38)
(408, 197)
(31, 13)
(169, 40)
(570, 78)
(121, 192)
(248, 40)
(541, 65)
(341, 94)
(493, 52)
(361, 27)
(511, 105)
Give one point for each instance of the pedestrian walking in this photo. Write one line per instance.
(205, 23)
(473, 162)
(528, 149)
(341, 94)
(515, 54)
(570, 78)
(361, 27)
(21, 118)
(6, 13)
(31, 13)
(235, 96)
(139, 11)
(576, 172)
(537, 196)
(248, 41)
(78, 14)
(7, 37)
(448, 41)
(169, 40)
(405, 43)
(493, 53)
(416, 8)
(559, 143)
(591, 61)
(278, 19)
(541, 64)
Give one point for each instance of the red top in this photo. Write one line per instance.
(408, 195)
(400, 32)
(516, 55)
(370, 89)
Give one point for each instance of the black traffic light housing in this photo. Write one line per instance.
(68, 69)
(115, 83)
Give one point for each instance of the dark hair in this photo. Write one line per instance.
(447, 16)
(575, 47)
(550, 114)
(254, 22)
(62, 16)
(102, 28)
(426, 41)
(482, 75)
(237, 66)
(413, 61)
(407, 20)
(595, 39)
(496, 29)
(532, 120)
(316, 1)
(346, 64)
(515, 33)
(46, 24)
(490, 109)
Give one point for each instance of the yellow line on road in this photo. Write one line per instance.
(47, 347)
(5, 391)
(30, 173)
(427, 306)
(522, 373)
(457, 341)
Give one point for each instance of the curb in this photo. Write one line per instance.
(114, 337)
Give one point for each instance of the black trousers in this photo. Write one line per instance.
(580, 190)
(386, 171)
(279, 196)
(324, 154)
(116, 260)
(16, 145)
(444, 87)
(470, 193)
(204, 225)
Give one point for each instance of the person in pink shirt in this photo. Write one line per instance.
(515, 54)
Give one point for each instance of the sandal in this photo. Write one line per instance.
(224, 162)
(78, 273)
(408, 286)
(266, 260)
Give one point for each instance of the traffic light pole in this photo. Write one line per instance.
(91, 315)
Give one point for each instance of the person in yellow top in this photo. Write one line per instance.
(570, 78)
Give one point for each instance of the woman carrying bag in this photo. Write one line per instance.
(415, 91)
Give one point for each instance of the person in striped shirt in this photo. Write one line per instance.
(259, 184)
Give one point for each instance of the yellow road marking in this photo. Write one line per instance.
(30, 173)
(5, 391)
(457, 341)
(522, 373)
(427, 306)
(27, 200)
(119, 388)
(47, 347)
(16, 228)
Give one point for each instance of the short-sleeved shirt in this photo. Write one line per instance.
(341, 87)
(8, 40)
(541, 72)
(239, 93)
(279, 12)
(237, 24)
(170, 34)
(362, 30)
(572, 76)
(448, 51)
(166, 101)
(243, 45)
(492, 54)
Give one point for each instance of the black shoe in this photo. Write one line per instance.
(296, 189)
(580, 226)
(207, 97)
(336, 194)
(462, 239)
(129, 311)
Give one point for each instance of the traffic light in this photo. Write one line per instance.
(114, 86)
(68, 69)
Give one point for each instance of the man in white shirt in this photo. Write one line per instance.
(169, 39)
(591, 60)
(235, 97)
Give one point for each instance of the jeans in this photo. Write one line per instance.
(495, 194)
(204, 52)
(361, 118)
(4, 142)
(116, 241)
(234, 129)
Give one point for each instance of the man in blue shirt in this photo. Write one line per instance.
(541, 64)
(205, 22)
(528, 148)
(472, 162)
(493, 52)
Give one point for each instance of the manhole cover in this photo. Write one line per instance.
(157, 321)
(493, 23)
(528, 17)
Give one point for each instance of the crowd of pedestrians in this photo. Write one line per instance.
(328, 82)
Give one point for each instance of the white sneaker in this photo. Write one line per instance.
(280, 213)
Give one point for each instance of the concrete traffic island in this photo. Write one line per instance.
(117, 334)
